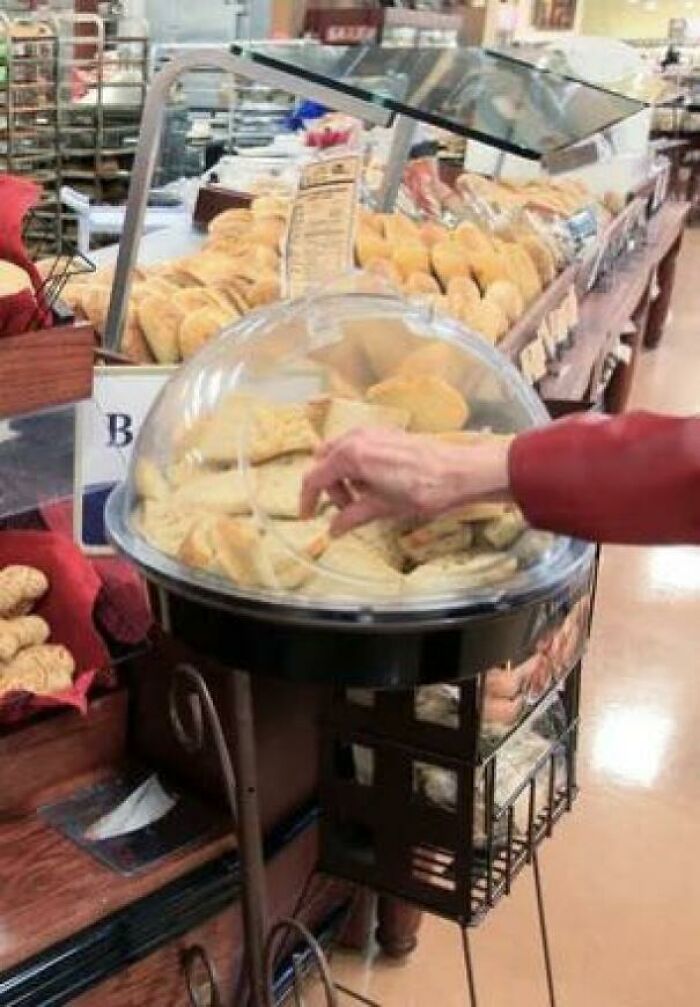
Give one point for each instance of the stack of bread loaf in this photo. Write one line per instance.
(177, 306)
(27, 662)
(475, 277)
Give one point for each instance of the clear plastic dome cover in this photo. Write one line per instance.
(213, 494)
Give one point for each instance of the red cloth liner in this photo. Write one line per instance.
(122, 608)
(67, 607)
(19, 311)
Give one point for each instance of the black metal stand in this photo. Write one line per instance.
(240, 782)
(261, 942)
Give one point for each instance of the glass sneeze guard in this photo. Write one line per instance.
(479, 94)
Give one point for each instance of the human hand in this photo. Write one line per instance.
(370, 474)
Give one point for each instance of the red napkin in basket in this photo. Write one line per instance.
(68, 609)
(122, 608)
(25, 310)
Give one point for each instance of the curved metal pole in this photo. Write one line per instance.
(277, 932)
(149, 147)
(241, 792)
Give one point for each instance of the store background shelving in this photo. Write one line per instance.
(29, 134)
(99, 128)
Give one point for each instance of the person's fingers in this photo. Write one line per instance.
(339, 495)
(335, 468)
(359, 513)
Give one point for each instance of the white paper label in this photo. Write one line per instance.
(320, 237)
(106, 430)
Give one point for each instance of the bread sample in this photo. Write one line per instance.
(466, 571)
(504, 531)
(349, 566)
(198, 548)
(166, 524)
(25, 631)
(240, 554)
(438, 358)
(160, 321)
(42, 670)
(280, 430)
(278, 485)
(149, 481)
(435, 540)
(20, 588)
(221, 492)
(381, 537)
(292, 546)
(345, 415)
(432, 403)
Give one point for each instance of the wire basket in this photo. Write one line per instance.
(441, 795)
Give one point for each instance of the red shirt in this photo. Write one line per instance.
(633, 479)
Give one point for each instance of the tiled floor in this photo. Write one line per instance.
(622, 875)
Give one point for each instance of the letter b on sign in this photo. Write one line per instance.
(120, 433)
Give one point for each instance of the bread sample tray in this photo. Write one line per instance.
(211, 509)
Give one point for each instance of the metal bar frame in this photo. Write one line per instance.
(149, 145)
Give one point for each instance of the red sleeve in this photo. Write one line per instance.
(634, 479)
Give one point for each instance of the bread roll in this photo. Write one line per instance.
(508, 297)
(411, 257)
(345, 415)
(199, 327)
(160, 320)
(432, 403)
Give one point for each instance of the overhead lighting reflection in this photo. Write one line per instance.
(675, 570)
(630, 744)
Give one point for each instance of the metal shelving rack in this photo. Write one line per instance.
(99, 134)
(29, 134)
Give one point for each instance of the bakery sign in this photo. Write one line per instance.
(107, 428)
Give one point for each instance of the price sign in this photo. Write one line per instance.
(533, 361)
(547, 337)
(107, 428)
(319, 245)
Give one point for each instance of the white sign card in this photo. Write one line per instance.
(107, 428)
(319, 246)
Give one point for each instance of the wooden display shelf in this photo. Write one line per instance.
(45, 369)
(605, 314)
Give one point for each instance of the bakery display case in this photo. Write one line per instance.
(210, 515)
